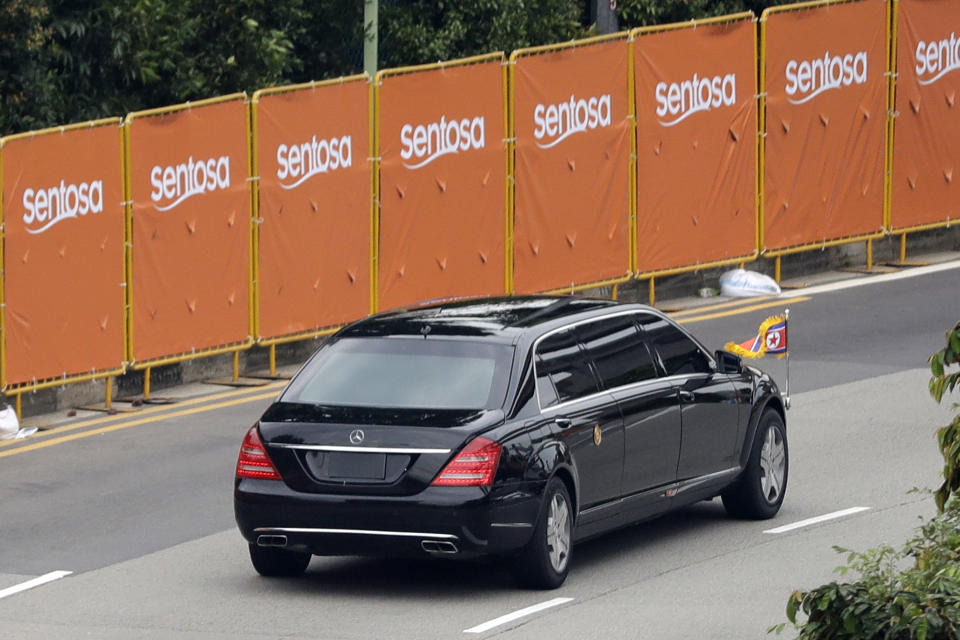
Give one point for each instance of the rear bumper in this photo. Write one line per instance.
(439, 521)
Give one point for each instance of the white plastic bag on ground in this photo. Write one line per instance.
(10, 426)
(740, 283)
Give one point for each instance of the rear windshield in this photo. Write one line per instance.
(405, 372)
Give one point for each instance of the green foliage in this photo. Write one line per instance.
(918, 603)
(123, 55)
(26, 78)
(640, 13)
(943, 381)
(64, 61)
(422, 31)
(921, 602)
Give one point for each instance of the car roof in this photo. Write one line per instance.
(500, 319)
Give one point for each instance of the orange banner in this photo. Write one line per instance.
(313, 149)
(63, 254)
(572, 126)
(191, 229)
(442, 183)
(826, 93)
(696, 145)
(927, 126)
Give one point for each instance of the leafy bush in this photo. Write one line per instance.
(921, 602)
(947, 437)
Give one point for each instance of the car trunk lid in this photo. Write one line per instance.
(366, 451)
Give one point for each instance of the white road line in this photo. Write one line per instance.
(36, 582)
(883, 277)
(818, 519)
(496, 622)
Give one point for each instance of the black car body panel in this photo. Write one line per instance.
(627, 409)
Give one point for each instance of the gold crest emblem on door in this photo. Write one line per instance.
(597, 435)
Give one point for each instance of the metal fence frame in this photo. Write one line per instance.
(17, 390)
(631, 169)
(233, 348)
(377, 160)
(777, 254)
(758, 155)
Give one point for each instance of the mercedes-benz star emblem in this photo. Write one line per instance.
(356, 436)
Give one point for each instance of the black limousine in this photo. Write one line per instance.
(511, 427)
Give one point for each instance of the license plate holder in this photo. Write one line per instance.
(357, 466)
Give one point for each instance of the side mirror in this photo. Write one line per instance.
(728, 362)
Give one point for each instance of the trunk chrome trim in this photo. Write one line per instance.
(363, 532)
(324, 447)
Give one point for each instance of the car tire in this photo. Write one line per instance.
(545, 561)
(758, 492)
(278, 563)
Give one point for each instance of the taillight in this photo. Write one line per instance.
(254, 461)
(475, 466)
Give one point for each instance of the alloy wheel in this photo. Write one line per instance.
(773, 463)
(558, 532)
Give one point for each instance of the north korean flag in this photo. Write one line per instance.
(775, 338)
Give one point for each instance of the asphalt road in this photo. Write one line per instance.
(139, 509)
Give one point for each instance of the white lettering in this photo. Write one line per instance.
(300, 162)
(809, 78)
(174, 184)
(677, 101)
(422, 144)
(556, 122)
(46, 207)
(936, 59)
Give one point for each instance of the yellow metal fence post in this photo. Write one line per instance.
(374, 136)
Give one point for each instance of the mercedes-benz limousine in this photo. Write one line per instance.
(511, 427)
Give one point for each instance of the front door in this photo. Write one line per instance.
(587, 420)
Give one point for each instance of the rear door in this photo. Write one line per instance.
(587, 419)
(650, 406)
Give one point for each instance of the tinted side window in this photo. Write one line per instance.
(678, 352)
(559, 358)
(618, 351)
(545, 389)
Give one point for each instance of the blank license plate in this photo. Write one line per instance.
(365, 466)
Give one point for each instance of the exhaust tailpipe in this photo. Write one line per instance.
(439, 546)
(271, 541)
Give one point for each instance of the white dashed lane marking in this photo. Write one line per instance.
(30, 584)
(818, 519)
(516, 615)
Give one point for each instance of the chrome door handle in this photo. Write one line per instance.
(687, 396)
(563, 423)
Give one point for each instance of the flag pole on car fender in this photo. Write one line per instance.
(786, 332)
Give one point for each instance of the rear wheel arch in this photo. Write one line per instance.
(567, 478)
